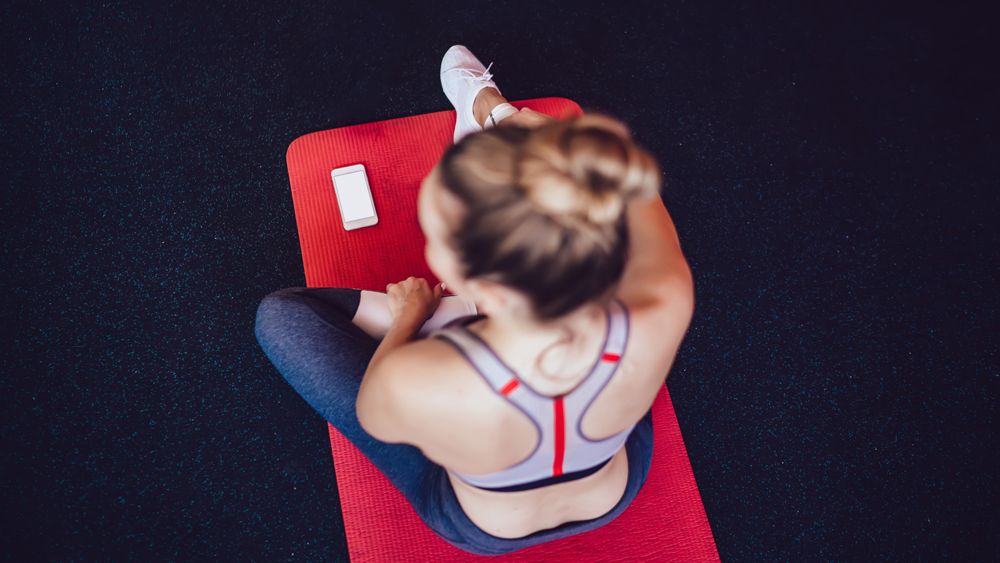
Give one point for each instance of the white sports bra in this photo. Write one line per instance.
(562, 452)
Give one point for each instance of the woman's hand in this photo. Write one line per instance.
(413, 301)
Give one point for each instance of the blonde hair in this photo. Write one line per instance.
(545, 207)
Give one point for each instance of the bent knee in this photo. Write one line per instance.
(273, 309)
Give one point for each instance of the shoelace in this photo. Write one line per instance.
(483, 77)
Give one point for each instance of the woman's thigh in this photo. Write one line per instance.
(308, 335)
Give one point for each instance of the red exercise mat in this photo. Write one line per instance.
(666, 522)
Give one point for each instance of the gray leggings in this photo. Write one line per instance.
(308, 335)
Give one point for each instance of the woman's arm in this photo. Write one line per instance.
(656, 265)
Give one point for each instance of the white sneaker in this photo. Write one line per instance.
(462, 77)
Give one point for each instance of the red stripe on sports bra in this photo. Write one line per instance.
(511, 385)
(560, 424)
(610, 357)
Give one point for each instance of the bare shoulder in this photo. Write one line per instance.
(440, 410)
(438, 373)
(429, 348)
(423, 367)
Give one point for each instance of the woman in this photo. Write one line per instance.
(530, 421)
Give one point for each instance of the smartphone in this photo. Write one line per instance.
(354, 196)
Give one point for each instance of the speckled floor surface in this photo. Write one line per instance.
(833, 173)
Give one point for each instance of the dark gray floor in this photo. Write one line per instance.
(832, 171)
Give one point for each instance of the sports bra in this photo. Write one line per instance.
(562, 453)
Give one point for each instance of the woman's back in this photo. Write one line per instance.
(490, 433)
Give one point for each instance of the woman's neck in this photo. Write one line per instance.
(516, 328)
(572, 339)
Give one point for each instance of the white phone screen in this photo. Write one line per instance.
(354, 200)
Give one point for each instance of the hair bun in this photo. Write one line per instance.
(587, 166)
(599, 122)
